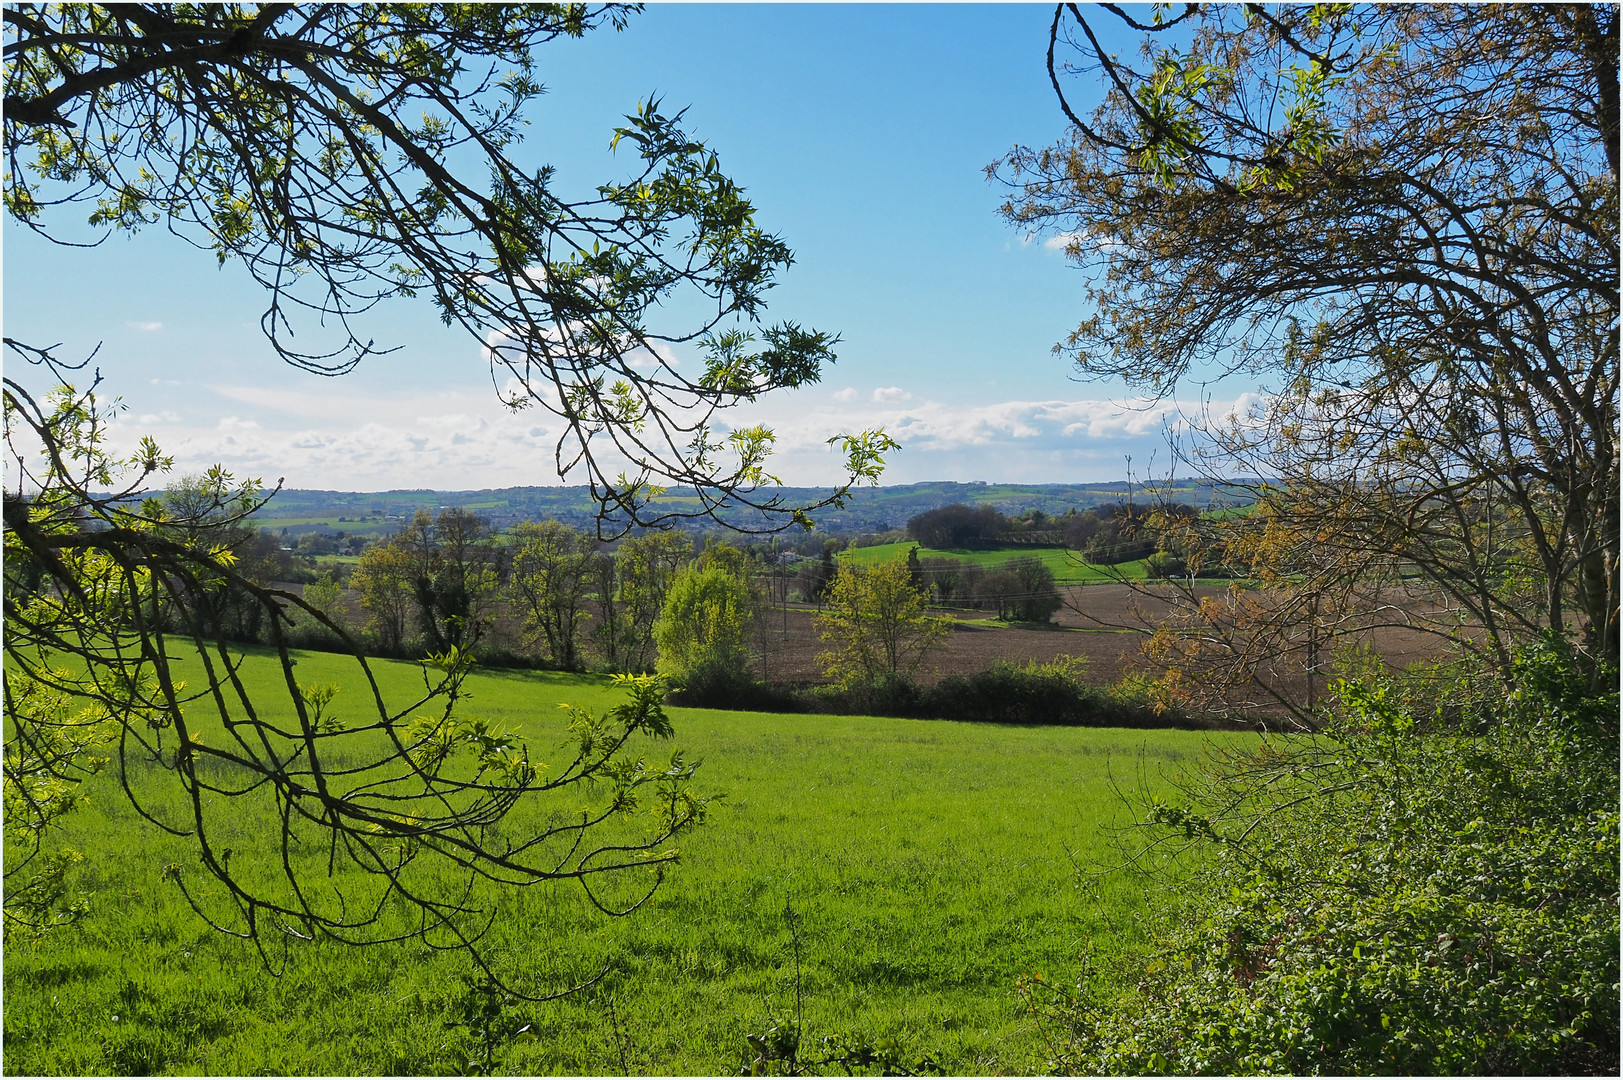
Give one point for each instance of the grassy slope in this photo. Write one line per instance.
(927, 860)
(1067, 566)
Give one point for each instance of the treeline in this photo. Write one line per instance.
(1108, 533)
(535, 594)
(1020, 590)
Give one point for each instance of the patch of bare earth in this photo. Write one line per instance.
(791, 643)
(1104, 624)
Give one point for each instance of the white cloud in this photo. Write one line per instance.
(1014, 441)
(144, 325)
(1062, 241)
(345, 435)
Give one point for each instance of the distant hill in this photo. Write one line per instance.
(869, 509)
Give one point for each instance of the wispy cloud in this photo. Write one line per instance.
(889, 395)
(149, 326)
(848, 394)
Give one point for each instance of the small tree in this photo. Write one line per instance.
(383, 579)
(703, 632)
(875, 620)
(945, 576)
(1036, 596)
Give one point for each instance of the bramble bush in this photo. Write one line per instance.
(1397, 895)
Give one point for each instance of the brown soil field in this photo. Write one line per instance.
(1104, 624)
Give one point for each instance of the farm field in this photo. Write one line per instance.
(1068, 568)
(927, 862)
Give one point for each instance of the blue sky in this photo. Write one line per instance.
(861, 133)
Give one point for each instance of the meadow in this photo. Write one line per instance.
(1067, 565)
(930, 865)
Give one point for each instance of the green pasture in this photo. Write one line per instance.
(328, 523)
(930, 864)
(1067, 565)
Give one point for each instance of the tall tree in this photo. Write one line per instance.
(610, 629)
(383, 579)
(646, 566)
(1405, 217)
(458, 576)
(549, 582)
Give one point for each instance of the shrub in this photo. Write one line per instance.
(876, 626)
(1384, 900)
(1165, 564)
(1055, 692)
(703, 630)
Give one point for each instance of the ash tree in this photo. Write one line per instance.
(1404, 219)
(343, 156)
(314, 148)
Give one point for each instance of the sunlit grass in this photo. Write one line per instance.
(1067, 565)
(928, 861)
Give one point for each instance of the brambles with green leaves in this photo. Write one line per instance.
(1403, 894)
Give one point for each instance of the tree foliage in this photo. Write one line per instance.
(875, 620)
(703, 632)
(116, 649)
(383, 579)
(1404, 217)
(957, 526)
(551, 562)
(646, 566)
(455, 576)
(343, 154)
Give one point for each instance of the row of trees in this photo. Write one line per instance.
(1022, 589)
(443, 581)
(1108, 533)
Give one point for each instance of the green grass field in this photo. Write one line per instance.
(1067, 566)
(927, 860)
